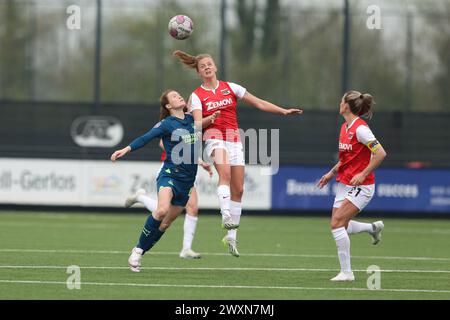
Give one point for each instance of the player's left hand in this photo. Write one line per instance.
(207, 167)
(289, 112)
(120, 153)
(358, 179)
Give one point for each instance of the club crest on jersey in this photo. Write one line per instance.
(225, 92)
(350, 135)
(157, 125)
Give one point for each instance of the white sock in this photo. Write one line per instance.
(357, 227)
(148, 202)
(235, 211)
(223, 193)
(343, 247)
(190, 224)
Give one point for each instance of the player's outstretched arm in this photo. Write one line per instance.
(156, 132)
(120, 153)
(268, 106)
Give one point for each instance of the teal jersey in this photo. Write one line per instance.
(181, 143)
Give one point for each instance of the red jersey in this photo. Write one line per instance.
(163, 155)
(354, 156)
(223, 98)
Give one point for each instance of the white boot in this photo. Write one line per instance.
(189, 254)
(232, 245)
(344, 276)
(228, 223)
(134, 261)
(378, 226)
(131, 200)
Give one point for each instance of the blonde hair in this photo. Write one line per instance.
(190, 60)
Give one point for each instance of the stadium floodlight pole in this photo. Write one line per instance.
(223, 33)
(346, 47)
(97, 68)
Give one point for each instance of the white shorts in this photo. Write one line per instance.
(235, 151)
(360, 196)
(159, 170)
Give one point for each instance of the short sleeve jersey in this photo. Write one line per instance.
(355, 144)
(224, 98)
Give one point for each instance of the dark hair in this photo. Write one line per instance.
(163, 100)
(360, 104)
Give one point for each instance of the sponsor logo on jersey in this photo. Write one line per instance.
(204, 99)
(225, 92)
(191, 138)
(218, 104)
(345, 146)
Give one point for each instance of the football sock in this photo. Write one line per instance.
(343, 247)
(223, 193)
(190, 224)
(148, 202)
(357, 227)
(235, 211)
(150, 234)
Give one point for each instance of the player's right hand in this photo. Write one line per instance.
(288, 112)
(120, 153)
(214, 116)
(207, 167)
(324, 180)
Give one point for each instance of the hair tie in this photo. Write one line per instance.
(361, 96)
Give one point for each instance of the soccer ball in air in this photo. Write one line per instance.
(181, 27)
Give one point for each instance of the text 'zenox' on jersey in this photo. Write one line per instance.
(224, 99)
(181, 144)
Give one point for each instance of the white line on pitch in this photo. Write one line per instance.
(160, 285)
(222, 269)
(227, 254)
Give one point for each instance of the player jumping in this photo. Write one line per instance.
(191, 217)
(176, 179)
(214, 103)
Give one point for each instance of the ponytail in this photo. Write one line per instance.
(360, 104)
(190, 60)
(186, 59)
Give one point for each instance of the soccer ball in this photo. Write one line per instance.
(181, 27)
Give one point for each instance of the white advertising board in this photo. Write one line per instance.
(106, 184)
